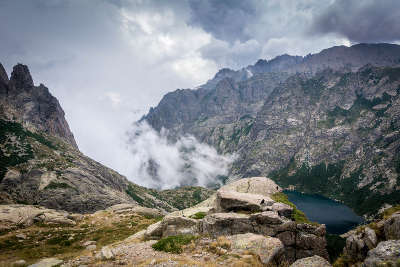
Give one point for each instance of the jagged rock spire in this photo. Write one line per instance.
(21, 77)
(3, 75)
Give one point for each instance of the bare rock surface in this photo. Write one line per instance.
(387, 253)
(49, 262)
(314, 261)
(269, 249)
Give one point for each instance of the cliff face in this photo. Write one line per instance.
(31, 105)
(326, 123)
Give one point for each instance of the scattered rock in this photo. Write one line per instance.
(88, 243)
(106, 253)
(49, 262)
(387, 253)
(19, 263)
(314, 261)
(21, 236)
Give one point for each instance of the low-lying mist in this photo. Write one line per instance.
(160, 163)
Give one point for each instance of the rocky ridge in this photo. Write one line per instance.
(327, 123)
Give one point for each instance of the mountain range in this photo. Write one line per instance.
(327, 123)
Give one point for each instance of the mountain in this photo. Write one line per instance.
(327, 123)
(40, 162)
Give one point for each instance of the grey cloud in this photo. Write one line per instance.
(361, 21)
(225, 19)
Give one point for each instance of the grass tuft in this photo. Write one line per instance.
(173, 244)
(199, 215)
(298, 216)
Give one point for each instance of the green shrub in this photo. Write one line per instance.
(334, 245)
(298, 216)
(199, 215)
(173, 244)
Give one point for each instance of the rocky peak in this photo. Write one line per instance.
(3, 75)
(33, 106)
(21, 77)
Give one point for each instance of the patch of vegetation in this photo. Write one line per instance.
(388, 212)
(173, 244)
(334, 245)
(297, 215)
(199, 215)
(58, 185)
(16, 148)
(132, 193)
(241, 131)
(313, 88)
(350, 116)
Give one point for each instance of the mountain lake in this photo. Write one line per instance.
(337, 217)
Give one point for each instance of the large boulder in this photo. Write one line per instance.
(234, 201)
(314, 261)
(226, 224)
(360, 242)
(172, 225)
(269, 249)
(392, 227)
(255, 185)
(387, 253)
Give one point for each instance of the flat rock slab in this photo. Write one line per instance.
(49, 262)
(314, 261)
(235, 201)
(255, 185)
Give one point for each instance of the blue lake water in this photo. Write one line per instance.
(337, 217)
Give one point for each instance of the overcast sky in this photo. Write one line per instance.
(109, 61)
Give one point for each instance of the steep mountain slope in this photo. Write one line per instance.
(326, 123)
(40, 163)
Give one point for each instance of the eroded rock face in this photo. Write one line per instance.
(269, 249)
(314, 261)
(387, 253)
(129, 208)
(358, 244)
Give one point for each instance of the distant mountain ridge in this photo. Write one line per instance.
(336, 58)
(333, 115)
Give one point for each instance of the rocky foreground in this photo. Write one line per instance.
(240, 225)
(246, 223)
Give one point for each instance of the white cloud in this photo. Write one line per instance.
(159, 163)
